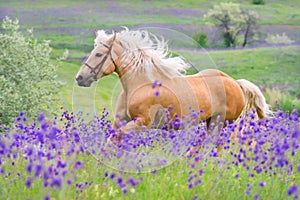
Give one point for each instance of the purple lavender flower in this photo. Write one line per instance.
(124, 191)
(292, 189)
(61, 164)
(47, 197)
(237, 175)
(249, 189)
(132, 182)
(119, 180)
(29, 168)
(195, 197)
(69, 181)
(56, 181)
(201, 172)
(154, 84)
(112, 176)
(41, 117)
(197, 182)
(28, 182)
(38, 170)
(78, 165)
(262, 184)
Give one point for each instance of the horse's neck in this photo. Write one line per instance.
(131, 82)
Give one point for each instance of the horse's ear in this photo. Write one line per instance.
(115, 35)
(112, 39)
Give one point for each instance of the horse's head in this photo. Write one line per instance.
(101, 62)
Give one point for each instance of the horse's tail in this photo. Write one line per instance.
(254, 98)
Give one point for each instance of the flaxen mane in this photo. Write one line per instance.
(146, 52)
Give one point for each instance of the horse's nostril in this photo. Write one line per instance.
(79, 78)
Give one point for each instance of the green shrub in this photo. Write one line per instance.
(286, 102)
(259, 2)
(201, 39)
(27, 76)
(278, 39)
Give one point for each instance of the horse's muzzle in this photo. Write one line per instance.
(84, 82)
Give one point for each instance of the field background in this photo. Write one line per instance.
(71, 25)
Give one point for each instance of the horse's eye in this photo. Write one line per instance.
(98, 55)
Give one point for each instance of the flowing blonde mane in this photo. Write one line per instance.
(146, 52)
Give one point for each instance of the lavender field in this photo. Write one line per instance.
(69, 156)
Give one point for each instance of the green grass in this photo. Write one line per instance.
(218, 182)
(264, 66)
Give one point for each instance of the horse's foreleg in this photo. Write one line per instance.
(135, 124)
(121, 116)
(121, 110)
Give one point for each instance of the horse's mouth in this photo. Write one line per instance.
(85, 82)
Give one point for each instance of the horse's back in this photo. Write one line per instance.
(213, 72)
(220, 92)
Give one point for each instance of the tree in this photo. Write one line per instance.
(250, 27)
(233, 22)
(27, 75)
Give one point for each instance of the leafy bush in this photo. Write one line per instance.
(201, 39)
(279, 39)
(259, 2)
(27, 76)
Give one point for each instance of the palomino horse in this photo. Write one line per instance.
(152, 81)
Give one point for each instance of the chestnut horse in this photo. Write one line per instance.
(152, 81)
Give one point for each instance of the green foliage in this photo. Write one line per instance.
(27, 77)
(284, 100)
(233, 22)
(279, 39)
(226, 37)
(259, 2)
(201, 39)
